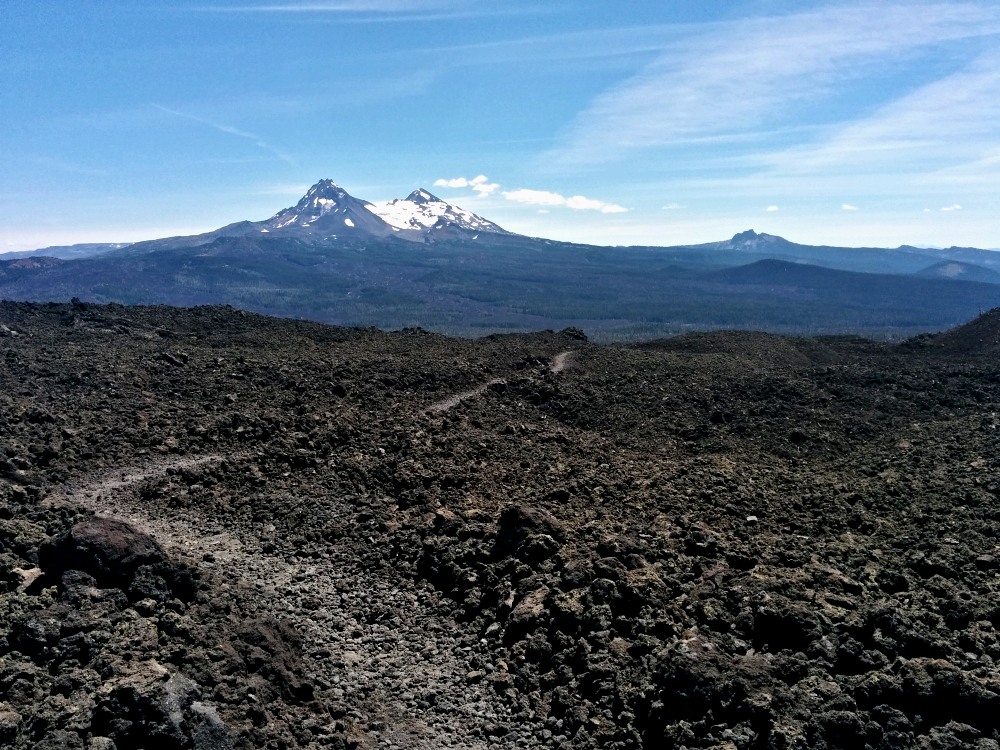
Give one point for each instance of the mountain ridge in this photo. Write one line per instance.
(328, 211)
(420, 261)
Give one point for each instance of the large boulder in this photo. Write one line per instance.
(109, 549)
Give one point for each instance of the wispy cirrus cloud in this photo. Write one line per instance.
(340, 6)
(229, 130)
(621, 42)
(751, 73)
(942, 124)
(848, 207)
(371, 10)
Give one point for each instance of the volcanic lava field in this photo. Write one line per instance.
(222, 530)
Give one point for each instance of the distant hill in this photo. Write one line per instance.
(67, 252)
(903, 259)
(953, 269)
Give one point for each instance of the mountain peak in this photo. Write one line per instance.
(324, 190)
(324, 184)
(750, 238)
(422, 196)
(329, 210)
(422, 214)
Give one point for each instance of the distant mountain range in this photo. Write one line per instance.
(325, 213)
(420, 261)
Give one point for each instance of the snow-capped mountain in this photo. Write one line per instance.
(420, 211)
(327, 210)
(328, 213)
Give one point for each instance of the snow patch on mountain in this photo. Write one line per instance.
(421, 211)
(325, 205)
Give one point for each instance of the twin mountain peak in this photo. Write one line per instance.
(328, 213)
(327, 210)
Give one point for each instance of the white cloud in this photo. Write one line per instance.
(848, 207)
(480, 184)
(535, 197)
(579, 202)
(454, 182)
(483, 187)
(548, 198)
(771, 209)
(739, 70)
(952, 207)
(671, 207)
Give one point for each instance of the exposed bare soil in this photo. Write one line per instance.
(347, 538)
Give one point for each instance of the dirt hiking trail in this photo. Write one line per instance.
(399, 673)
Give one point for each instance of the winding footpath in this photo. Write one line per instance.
(380, 643)
(559, 363)
(452, 401)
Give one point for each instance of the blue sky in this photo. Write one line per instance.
(605, 122)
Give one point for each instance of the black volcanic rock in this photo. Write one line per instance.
(978, 338)
(107, 548)
(725, 540)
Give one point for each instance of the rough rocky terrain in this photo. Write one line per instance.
(220, 530)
